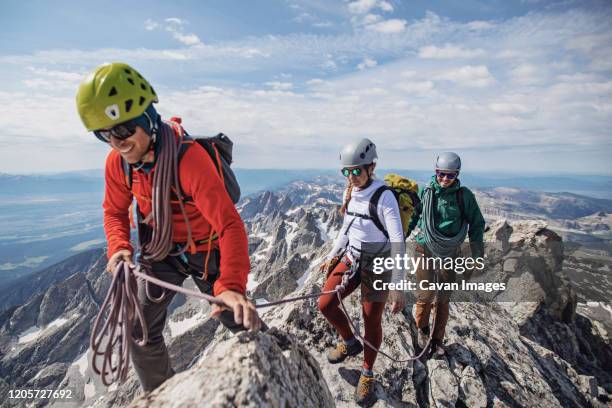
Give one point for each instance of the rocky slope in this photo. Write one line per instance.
(541, 349)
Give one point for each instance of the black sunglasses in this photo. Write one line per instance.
(121, 131)
(356, 171)
(450, 176)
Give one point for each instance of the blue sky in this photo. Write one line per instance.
(510, 85)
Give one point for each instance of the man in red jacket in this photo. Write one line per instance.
(116, 103)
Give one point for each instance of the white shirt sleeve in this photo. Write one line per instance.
(389, 214)
(341, 240)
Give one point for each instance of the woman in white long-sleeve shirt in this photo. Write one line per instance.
(360, 236)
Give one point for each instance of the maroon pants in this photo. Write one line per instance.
(329, 305)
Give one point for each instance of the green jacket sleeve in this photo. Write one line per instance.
(416, 215)
(476, 223)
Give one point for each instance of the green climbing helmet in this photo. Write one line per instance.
(112, 94)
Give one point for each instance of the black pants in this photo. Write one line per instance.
(151, 361)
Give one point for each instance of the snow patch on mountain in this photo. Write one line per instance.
(293, 231)
(183, 326)
(251, 282)
(34, 332)
(323, 226)
(82, 363)
(301, 282)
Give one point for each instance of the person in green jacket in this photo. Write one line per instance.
(447, 214)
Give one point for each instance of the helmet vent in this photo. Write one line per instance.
(143, 86)
(128, 105)
(113, 91)
(131, 81)
(141, 100)
(362, 155)
(127, 71)
(112, 111)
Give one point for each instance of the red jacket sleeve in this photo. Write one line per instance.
(117, 201)
(200, 180)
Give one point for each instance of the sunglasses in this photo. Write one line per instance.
(354, 171)
(450, 176)
(121, 132)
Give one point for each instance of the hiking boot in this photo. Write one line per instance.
(423, 337)
(342, 351)
(364, 394)
(437, 348)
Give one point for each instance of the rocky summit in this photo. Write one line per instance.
(535, 344)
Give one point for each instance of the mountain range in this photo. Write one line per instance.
(549, 346)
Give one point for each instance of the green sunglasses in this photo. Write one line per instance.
(356, 171)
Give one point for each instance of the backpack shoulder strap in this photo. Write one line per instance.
(127, 173)
(374, 209)
(186, 142)
(459, 196)
(414, 197)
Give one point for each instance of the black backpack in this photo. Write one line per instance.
(219, 148)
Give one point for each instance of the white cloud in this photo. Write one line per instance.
(371, 19)
(418, 88)
(52, 80)
(449, 51)
(511, 108)
(385, 6)
(187, 39)
(365, 6)
(472, 76)
(252, 53)
(151, 25)
(280, 86)
(579, 77)
(62, 75)
(329, 64)
(361, 6)
(527, 74)
(175, 26)
(175, 20)
(480, 25)
(391, 26)
(367, 63)
(173, 55)
(315, 82)
(303, 17)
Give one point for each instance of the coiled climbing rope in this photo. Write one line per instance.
(439, 244)
(165, 181)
